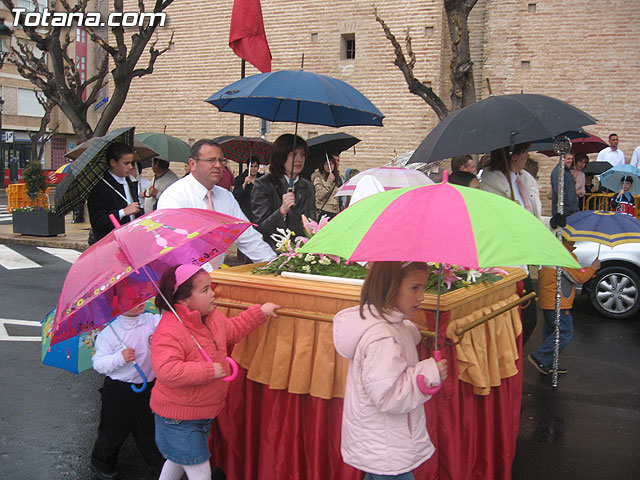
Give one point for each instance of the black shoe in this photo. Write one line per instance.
(543, 369)
(102, 475)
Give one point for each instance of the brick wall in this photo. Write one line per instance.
(584, 52)
(200, 63)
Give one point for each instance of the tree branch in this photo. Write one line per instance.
(416, 86)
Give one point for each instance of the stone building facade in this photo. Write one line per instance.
(583, 52)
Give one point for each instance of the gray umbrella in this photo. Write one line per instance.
(499, 121)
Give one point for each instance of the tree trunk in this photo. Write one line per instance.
(463, 91)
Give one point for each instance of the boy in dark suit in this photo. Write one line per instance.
(115, 193)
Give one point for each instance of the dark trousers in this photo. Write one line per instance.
(124, 412)
(529, 315)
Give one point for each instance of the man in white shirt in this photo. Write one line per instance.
(199, 190)
(635, 158)
(115, 193)
(612, 153)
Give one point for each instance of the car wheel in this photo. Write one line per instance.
(616, 293)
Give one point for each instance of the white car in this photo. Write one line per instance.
(615, 290)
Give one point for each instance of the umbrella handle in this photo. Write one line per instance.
(114, 220)
(422, 386)
(234, 370)
(144, 380)
(231, 361)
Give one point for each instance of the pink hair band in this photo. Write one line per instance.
(184, 273)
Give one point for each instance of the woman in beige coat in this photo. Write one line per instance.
(326, 181)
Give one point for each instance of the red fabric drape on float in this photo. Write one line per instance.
(271, 434)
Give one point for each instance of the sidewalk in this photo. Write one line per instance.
(75, 236)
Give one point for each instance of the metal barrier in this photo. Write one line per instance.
(602, 201)
(17, 197)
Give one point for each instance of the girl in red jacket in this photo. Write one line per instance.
(189, 390)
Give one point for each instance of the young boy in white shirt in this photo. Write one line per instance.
(123, 410)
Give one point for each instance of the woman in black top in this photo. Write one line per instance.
(272, 204)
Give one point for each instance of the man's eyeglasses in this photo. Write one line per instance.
(213, 161)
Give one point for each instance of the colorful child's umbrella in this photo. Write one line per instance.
(74, 354)
(606, 228)
(63, 169)
(440, 223)
(119, 271)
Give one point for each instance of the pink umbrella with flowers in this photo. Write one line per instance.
(123, 269)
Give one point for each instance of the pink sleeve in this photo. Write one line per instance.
(390, 383)
(241, 325)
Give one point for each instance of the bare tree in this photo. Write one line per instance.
(463, 91)
(40, 137)
(55, 74)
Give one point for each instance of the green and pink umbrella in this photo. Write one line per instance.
(440, 223)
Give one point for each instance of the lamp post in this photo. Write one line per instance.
(5, 31)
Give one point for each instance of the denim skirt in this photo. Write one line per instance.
(184, 442)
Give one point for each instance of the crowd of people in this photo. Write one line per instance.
(183, 352)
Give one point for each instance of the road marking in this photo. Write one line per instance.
(4, 335)
(66, 254)
(12, 260)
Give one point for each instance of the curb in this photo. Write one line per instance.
(41, 242)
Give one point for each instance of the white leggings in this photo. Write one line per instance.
(174, 471)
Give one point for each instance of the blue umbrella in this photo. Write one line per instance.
(298, 96)
(606, 228)
(611, 178)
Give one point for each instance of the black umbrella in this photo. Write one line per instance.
(597, 168)
(87, 170)
(499, 121)
(324, 146)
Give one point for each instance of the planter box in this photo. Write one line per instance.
(39, 224)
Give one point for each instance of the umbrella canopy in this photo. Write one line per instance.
(606, 228)
(73, 354)
(168, 148)
(141, 151)
(499, 121)
(581, 142)
(326, 145)
(389, 177)
(611, 178)
(440, 223)
(596, 168)
(87, 170)
(240, 149)
(297, 96)
(119, 271)
(63, 169)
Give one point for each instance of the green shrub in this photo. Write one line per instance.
(35, 180)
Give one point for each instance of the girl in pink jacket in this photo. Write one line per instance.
(189, 391)
(384, 428)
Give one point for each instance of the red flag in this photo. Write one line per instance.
(246, 35)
